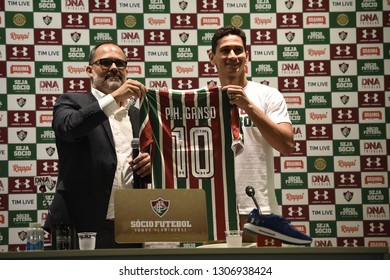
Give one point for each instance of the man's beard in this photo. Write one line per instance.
(106, 86)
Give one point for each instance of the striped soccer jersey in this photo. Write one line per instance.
(193, 136)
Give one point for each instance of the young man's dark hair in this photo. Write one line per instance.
(227, 30)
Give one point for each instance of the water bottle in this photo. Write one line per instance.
(63, 237)
(35, 237)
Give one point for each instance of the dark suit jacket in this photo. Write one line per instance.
(87, 161)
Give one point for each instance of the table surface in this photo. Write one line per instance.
(263, 253)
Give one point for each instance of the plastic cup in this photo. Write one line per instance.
(233, 238)
(87, 240)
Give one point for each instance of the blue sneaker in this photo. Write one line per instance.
(275, 226)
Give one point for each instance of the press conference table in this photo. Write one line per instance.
(263, 253)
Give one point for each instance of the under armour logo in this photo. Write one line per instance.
(22, 51)
(46, 101)
(315, 131)
(133, 52)
(182, 84)
(319, 194)
(210, 68)
(295, 212)
(369, 33)
(77, 19)
(290, 83)
(23, 117)
(186, 19)
(289, 19)
(154, 35)
(317, 66)
(374, 162)
(352, 243)
(47, 166)
(269, 242)
(104, 3)
(377, 227)
(342, 114)
(373, 98)
(49, 35)
(73, 85)
(297, 146)
(22, 183)
(344, 178)
(315, 3)
(343, 50)
(211, 3)
(266, 35)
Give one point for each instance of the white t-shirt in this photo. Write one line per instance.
(255, 165)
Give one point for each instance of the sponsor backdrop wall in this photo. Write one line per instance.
(329, 58)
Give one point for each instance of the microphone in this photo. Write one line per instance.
(137, 180)
(250, 191)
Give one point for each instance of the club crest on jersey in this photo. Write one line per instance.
(160, 206)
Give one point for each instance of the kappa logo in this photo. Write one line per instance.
(160, 206)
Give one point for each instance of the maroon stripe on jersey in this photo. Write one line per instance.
(219, 185)
(166, 151)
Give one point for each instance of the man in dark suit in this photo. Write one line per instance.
(93, 135)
